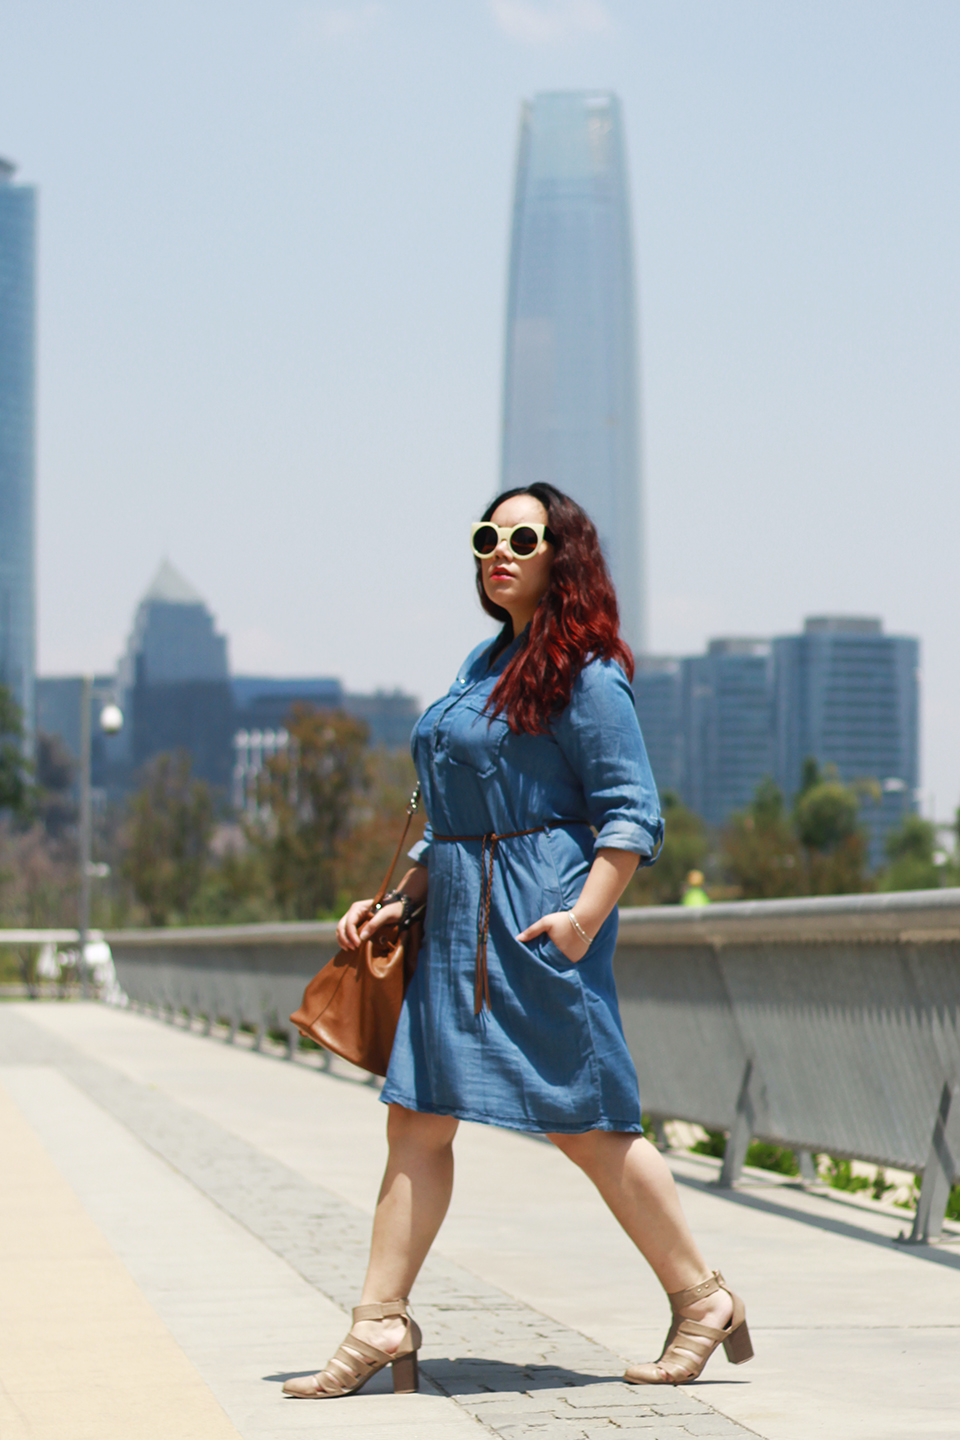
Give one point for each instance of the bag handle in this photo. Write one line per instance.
(413, 805)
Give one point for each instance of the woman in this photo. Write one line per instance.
(541, 805)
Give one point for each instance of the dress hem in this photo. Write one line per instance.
(521, 1123)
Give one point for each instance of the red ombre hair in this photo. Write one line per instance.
(576, 621)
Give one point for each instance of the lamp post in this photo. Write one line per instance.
(111, 722)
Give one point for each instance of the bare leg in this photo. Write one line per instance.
(636, 1183)
(414, 1196)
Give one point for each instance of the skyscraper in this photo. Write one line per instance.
(728, 726)
(847, 695)
(17, 348)
(570, 371)
(658, 693)
(174, 682)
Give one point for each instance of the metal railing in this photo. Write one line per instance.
(819, 1024)
(823, 1025)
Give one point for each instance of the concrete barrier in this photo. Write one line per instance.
(820, 1024)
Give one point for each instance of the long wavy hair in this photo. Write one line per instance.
(577, 619)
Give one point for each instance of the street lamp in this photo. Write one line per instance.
(111, 723)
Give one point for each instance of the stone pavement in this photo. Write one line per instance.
(211, 1208)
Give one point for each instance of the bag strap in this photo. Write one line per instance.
(413, 805)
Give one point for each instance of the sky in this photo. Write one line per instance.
(273, 249)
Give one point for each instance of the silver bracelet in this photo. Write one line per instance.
(579, 928)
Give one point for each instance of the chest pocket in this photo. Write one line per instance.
(471, 737)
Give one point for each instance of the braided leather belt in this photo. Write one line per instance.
(488, 847)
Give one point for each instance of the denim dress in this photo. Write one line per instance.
(548, 1052)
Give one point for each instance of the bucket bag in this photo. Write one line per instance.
(352, 1005)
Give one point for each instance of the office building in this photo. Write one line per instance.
(390, 716)
(847, 695)
(174, 683)
(264, 702)
(841, 693)
(658, 693)
(58, 714)
(570, 371)
(17, 408)
(727, 726)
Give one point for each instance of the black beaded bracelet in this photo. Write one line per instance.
(391, 897)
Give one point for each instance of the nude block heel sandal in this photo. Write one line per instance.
(689, 1344)
(356, 1361)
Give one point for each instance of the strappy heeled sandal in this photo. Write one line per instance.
(689, 1344)
(356, 1361)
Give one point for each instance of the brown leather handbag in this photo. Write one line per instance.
(352, 1005)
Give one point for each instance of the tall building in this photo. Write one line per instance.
(58, 714)
(17, 405)
(847, 695)
(264, 702)
(570, 372)
(174, 682)
(841, 693)
(727, 726)
(658, 693)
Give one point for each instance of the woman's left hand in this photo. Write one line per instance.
(557, 925)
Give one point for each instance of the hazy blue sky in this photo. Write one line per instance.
(273, 262)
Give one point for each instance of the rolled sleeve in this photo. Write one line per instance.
(420, 853)
(600, 737)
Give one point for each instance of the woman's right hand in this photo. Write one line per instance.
(360, 923)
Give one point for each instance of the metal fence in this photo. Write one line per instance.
(819, 1024)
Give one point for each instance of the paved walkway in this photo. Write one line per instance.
(184, 1223)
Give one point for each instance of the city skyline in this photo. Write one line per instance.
(570, 387)
(276, 391)
(841, 692)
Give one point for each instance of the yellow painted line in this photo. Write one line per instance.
(83, 1355)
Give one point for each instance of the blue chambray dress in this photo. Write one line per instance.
(549, 1054)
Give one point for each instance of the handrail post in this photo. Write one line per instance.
(942, 1167)
(741, 1132)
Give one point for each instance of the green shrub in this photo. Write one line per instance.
(715, 1144)
(777, 1158)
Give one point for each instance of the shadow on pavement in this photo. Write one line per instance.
(832, 1224)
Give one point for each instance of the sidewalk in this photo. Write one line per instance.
(185, 1223)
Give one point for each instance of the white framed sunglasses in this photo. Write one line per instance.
(522, 540)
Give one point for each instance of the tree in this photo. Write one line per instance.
(684, 849)
(760, 848)
(16, 791)
(166, 838)
(309, 794)
(826, 816)
(379, 821)
(818, 849)
(910, 849)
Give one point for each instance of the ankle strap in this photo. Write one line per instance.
(680, 1299)
(380, 1310)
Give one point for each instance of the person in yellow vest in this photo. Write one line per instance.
(694, 894)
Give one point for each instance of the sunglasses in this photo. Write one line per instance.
(522, 540)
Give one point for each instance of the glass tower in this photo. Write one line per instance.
(728, 697)
(570, 373)
(658, 694)
(847, 695)
(17, 321)
(175, 681)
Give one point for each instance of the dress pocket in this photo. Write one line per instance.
(474, 737)
(553, 955)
